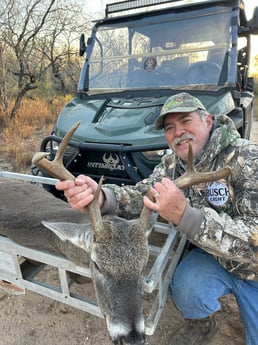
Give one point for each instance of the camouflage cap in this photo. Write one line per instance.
(179, 103)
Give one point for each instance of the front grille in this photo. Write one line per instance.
(96, 164)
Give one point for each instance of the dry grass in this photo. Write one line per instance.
(22, 136)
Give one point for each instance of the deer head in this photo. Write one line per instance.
(118, 250)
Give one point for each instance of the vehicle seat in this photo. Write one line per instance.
(172, 71)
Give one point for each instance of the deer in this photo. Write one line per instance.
(116, 249)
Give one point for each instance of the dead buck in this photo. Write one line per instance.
(117, 249)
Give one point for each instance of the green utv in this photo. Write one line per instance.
(141, 53)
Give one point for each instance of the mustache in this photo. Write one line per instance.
(178, 140)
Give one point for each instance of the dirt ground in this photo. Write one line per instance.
(33, 319)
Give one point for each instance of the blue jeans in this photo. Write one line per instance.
(198, 283)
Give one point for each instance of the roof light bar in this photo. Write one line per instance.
(128, 5)
(133, 4)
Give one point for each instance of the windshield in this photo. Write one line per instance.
(173, 49)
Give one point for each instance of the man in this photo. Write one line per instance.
(219, 218)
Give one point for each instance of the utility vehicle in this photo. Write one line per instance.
(141, 53)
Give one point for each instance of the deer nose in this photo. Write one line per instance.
(132, 338)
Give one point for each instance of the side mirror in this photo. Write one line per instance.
(253, 23)
(82, 48)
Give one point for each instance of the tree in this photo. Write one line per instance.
(20, 34)
(37, 37)
(3, 73)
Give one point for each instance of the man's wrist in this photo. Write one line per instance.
(191, 221)
(102, 198)
(108, 200)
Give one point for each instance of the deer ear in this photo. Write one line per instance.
(78, 234)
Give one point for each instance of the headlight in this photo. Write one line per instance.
(70, 152)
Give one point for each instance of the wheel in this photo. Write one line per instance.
(203, 73)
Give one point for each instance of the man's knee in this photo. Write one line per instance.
(187, 287)
(197, 284)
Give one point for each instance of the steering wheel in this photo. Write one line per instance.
(203, 73)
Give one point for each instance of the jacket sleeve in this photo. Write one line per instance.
(128, 199)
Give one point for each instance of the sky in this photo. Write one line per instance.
(250, 4)
(99, 11)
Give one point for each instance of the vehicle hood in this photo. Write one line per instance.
(126, 120)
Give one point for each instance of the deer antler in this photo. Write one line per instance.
(191, 177)
(95, 213)
(56, 167)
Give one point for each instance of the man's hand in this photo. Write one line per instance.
(170, 201)
(80, 192)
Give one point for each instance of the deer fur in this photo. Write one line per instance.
(116, 257)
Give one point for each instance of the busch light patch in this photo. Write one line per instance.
(218, 193)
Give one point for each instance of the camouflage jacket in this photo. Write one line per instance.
(229, 225)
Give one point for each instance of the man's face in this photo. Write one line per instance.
(184, 128)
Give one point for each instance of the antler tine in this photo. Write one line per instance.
(191, 177)
(146, 212)
(56, 167)
(190, 164)
(95, 213)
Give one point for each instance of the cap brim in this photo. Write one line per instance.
(159, 123)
